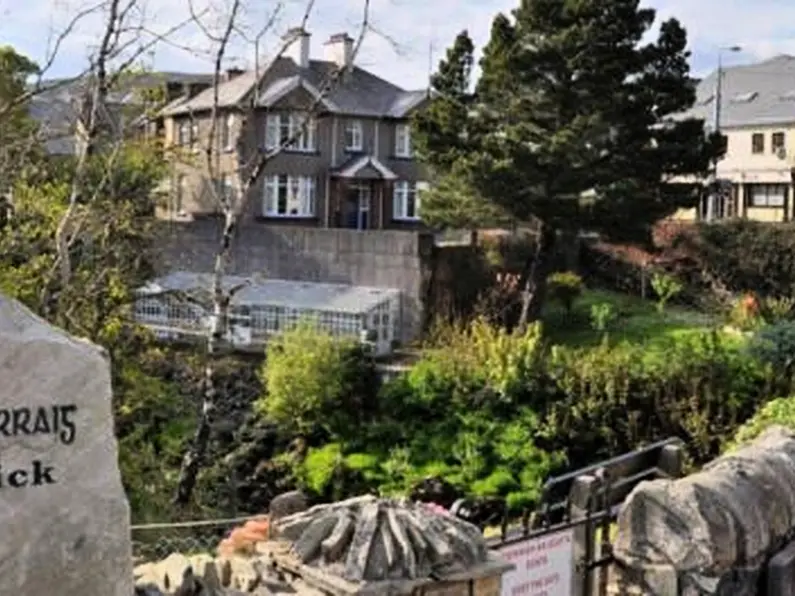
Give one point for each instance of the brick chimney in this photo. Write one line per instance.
(298, 48)
(339, 49)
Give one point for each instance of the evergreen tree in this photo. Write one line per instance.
(574, 124)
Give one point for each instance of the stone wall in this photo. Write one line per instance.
(715, 531)
(378, 258)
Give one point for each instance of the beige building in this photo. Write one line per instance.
(757, 115)
(341, 157)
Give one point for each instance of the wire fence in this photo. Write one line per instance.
(153, 542)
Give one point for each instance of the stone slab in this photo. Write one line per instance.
(64, 514)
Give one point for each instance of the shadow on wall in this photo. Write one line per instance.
(379, 258)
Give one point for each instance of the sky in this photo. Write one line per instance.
(404, 38)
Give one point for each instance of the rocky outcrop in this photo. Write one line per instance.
(714, 529)
(364, 545)
(367, 539)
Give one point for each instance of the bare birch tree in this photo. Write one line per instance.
(249, 172)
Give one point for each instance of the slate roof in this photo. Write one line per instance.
(361, 94)
(752, 95)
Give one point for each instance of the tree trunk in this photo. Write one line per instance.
(534, 277)
(194, 456)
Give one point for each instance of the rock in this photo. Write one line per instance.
(715, 528)
(366, 540)
(287, 504)
(65, 517)
(434, 490)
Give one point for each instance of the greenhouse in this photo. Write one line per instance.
(179, 306)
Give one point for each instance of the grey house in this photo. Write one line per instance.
(351, 164)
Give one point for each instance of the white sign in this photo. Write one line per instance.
(544, 566)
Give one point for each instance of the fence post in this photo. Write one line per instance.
(672, 460)
(581, 507)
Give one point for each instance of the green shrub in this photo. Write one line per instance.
(742, 255)
(774, 345)
(603, 314)
(745, 313)
(611, 399)
(666, 287)
(779, 411)
(565, 287)
(479, 354)
(316, 382)
(774, 310)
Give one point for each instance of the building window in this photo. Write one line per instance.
(185, 133)
(354, 135)
(181, 192)
(767, 195)
(289, 196)
(403, 140)
(225, 187)
(405, 202)
(281, 128)
(227, 126)
(757, 143)
(777, 142)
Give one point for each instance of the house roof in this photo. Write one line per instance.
(297, 295)
(361, 93)
(55, 106)
(752, 95)
(356, 166)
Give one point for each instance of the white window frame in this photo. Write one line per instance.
(354, 135)
(225, 187)
(185, 130)
(226, 140)
(181, 190)
(300, 196)
(280, 127)
(403, 146)
(761, 195)
(402, 191)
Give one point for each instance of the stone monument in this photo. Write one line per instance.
(65, 517)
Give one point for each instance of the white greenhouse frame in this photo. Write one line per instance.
(178, 306)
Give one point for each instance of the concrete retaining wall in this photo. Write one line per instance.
(379, 258)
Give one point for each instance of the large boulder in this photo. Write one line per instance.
(64, 514)
(714, 529)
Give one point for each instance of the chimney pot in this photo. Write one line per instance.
(297, 39)
(339, 49)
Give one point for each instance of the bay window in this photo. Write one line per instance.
(280, 128)
(406, 200)
(289, 196)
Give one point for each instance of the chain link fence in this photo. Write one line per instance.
(153, 542)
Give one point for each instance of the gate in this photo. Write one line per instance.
(564, 546)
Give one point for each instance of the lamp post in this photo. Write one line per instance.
(718, 101)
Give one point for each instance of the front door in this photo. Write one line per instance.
(358, 206)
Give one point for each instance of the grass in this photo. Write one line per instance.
(637, 320)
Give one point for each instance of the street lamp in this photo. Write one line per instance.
(718, 101)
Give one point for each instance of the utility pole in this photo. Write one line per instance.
(713, 191)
